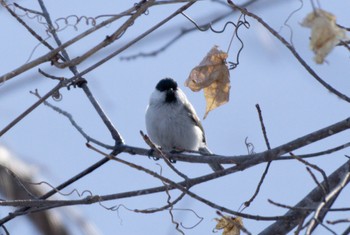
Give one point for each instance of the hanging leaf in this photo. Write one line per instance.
(213, 76)
(325, 34)
(230, 225)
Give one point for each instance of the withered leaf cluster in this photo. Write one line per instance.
(230, 225)
(211, 75)
(325, 34)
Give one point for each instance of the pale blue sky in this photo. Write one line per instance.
(293, 104)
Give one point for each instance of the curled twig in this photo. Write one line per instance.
(206, 27)
(246, 24)
(186, 31)
(249, 146)
(177, 224)
(288, 18)
(60, 23)
(209, 26)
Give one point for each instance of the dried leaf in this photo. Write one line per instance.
(230, 225)
(213, 76)
(325, 34)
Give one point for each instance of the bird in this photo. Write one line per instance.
(172, 122)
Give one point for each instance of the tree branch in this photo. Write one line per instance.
(314, 197)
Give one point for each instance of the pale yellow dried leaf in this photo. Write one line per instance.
(230, 225)
(213, 76)
(325, 34)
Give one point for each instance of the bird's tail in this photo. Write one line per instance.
(214, 165)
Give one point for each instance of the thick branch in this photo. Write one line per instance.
(314, 197)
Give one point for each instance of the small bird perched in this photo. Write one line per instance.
(172, 122)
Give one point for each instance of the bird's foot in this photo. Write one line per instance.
(150, 155)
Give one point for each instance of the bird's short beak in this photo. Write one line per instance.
(170, 96)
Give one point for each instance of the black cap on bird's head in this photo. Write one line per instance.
(168, 85)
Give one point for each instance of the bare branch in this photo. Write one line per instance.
(52, 54)
(317, 154)
(313, 198)
(329, 199)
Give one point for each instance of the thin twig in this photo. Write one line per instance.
(324, 152)
(290, 207)
(338, 221)
(51, 76)
(263, 128)
(31, 108)
(306, 208)
(300, 225)
(18, 181)
(73, 122)
(314, 167)
(328, 229)
(113, 130)
(324, 190)
(37, 36)
(27, 10)
(164, 157)
(169, 204)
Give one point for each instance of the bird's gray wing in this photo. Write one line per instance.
(193, 116)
